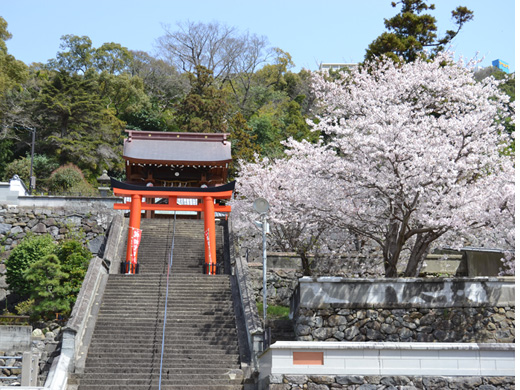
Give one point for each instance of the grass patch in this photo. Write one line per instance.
(274, 312)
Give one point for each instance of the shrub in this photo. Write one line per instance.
(42, 169)
(74, 258)
(49, 274)
(25, 308)
(47, 290)
(70, 179)
(30, 250)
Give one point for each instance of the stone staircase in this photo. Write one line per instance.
(201, 344)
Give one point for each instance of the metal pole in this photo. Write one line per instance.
(32, 158)
(264, 258)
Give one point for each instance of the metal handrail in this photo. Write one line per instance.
(166, 300)
(12, 377)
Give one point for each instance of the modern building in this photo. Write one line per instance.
(502, 65)
(336, 66)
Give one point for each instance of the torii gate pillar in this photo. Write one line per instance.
(134, 225)
(210, 249)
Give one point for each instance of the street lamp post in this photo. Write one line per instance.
(261, 206)
(32, 179)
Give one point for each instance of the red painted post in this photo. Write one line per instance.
(135, 223)
(209, 235)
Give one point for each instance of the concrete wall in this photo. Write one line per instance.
(325, 292)
(15, 338)
(482, 263)
(373, 366)
(411, 359)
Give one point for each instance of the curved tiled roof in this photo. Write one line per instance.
(177, 148)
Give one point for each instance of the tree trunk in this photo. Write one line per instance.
(418, 254)
(392, 250)
(306, 265)
(390, 269)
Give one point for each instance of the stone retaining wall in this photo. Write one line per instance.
(358, 382)
(482, 324)
(17, 221)
(280, 284)
(408, 310)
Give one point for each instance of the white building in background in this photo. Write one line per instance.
(336, 65)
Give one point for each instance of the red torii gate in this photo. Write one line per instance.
(208, 207)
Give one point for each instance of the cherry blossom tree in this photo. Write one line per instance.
(292, 187)
(411, 159)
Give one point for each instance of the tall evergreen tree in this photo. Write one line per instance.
(205, 108)
(412, 31)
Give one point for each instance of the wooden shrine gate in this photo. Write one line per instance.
(207, 206)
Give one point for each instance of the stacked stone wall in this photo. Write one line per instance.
(357, 382)
(280, 284)
(456, 310)
(471, 324)
(60, 222)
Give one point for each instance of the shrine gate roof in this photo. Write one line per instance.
(177, 148)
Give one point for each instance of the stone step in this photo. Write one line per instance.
(174, 291)
(180, 358)
(164, 387)
(209, 307)
(143, 279)
(216, 300)
(172, 322)
(201, 336)
(147, 369)
(175, 306)
(171, 331)
(230, 345)
(172, 315)
(201, 306)
(172, 338)
(156, 314)
(172, 328)
(169, 350)
(184, 385)
(169, 379)
(187, 333)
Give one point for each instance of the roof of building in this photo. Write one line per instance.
(177, 148)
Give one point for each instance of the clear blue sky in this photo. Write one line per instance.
(331, 31)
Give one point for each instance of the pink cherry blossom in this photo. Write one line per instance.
(411, 159)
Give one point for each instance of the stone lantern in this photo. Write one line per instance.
(104, 181)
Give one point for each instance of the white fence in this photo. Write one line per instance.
(373, 358)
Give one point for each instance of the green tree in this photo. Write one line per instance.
(43, 166)
(6, 155)
(410, 32)
(112, 58)
(243, 145)
(124, 93)
(278, 121)
(508, 87)
(47, 291)
(205, 108)
(13, 74)
(12, 71)
(76, 125)
(74, 259)
(76, 55)
(162, 82)
(31, 249)
(48, 274)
